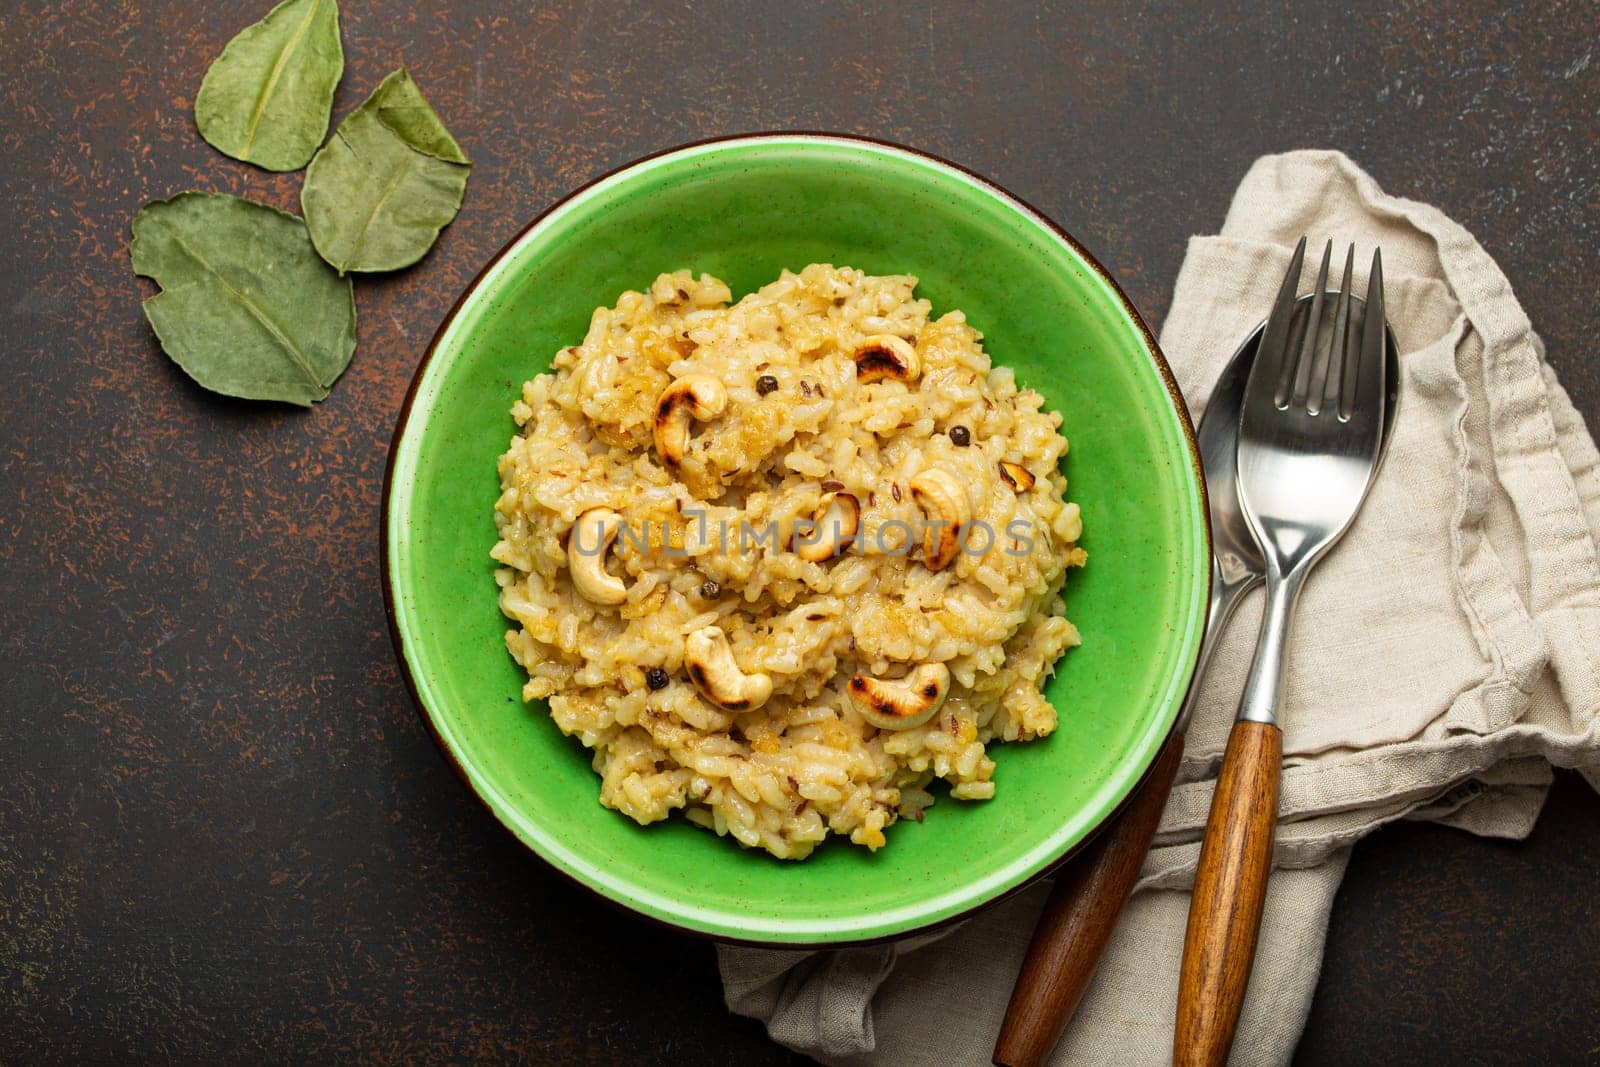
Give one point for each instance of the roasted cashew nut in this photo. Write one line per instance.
(708, 658)
(943, 500)
(591, 539)
(833, 528)
(1016, 476)
(900, 705)
(883, 356)
(696, 396)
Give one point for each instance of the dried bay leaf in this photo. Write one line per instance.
(391, 177)
(267, 98)
(246, 307)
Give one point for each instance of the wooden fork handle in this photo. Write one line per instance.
(1230, 886)
(1078, 918)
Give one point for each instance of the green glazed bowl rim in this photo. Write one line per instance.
(680, 914)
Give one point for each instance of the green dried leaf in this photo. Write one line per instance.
(387, 182)
(268, 96)
(246, 307)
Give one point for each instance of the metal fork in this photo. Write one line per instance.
(1310, 435)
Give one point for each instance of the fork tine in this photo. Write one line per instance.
(1330, 371)
(1367, 373)
(1308, 348)
(1273, 348)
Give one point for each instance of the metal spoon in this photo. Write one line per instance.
(1092, 887)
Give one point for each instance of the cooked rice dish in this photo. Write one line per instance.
(784, 562)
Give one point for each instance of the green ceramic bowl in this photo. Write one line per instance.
(743, 209)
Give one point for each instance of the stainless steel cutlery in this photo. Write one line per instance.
(1311, 432)
(1317, 392)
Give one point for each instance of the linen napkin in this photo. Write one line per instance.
(1446, 653)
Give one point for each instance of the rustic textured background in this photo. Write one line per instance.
(223, 832)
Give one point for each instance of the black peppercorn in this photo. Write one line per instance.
(766, 384)
(960, 436)
(710, 590)
(656, 678)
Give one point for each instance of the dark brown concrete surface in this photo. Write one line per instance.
(224, 835)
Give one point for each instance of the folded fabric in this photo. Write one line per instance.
(1446, 653)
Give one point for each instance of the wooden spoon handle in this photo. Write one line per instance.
(1077, 920)
(1230, 886)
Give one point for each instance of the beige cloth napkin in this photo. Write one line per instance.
(1446, 653)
